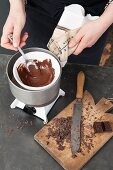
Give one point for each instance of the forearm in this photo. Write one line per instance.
(17, 4)
(106, 18)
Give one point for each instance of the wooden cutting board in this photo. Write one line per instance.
(90, 142)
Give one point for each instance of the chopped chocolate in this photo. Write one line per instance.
(61, 131)
(47, 142)
(61, 147)
(100, 127)
(91, 107)
(86, 138)
(74, 156)
(87, 109)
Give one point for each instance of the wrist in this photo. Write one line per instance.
(17, 5)
(106, 19)
(103, 24)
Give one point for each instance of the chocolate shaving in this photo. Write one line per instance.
(61, 131)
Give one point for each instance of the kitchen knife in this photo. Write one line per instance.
(77, 112)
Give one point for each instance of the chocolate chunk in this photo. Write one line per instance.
(107, 126)
(100, 127)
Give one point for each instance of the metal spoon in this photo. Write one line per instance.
(27, 61)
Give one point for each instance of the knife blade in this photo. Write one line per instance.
(77, 113)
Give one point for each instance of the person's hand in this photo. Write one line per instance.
(87, 36)
(14, 25)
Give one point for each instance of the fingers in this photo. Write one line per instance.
(16, 36)
(13, 25)
(23, 40)
(22, 44)
(5, 42)
(76, 39)
(24, 37)
(9, 46)
(80, 40)
(81, 46)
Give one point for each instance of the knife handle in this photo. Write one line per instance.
(80, 84)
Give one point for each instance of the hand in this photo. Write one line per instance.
(87, 36)
(14, 25)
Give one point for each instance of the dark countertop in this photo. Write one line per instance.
(18, 150)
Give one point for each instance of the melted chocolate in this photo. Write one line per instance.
(37, 77)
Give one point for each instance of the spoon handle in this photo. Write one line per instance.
(21, 51)
(10, 36)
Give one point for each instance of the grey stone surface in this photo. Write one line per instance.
(18, 150)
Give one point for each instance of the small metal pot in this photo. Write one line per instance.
(29, 97)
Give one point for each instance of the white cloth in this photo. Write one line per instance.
(72, 19)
